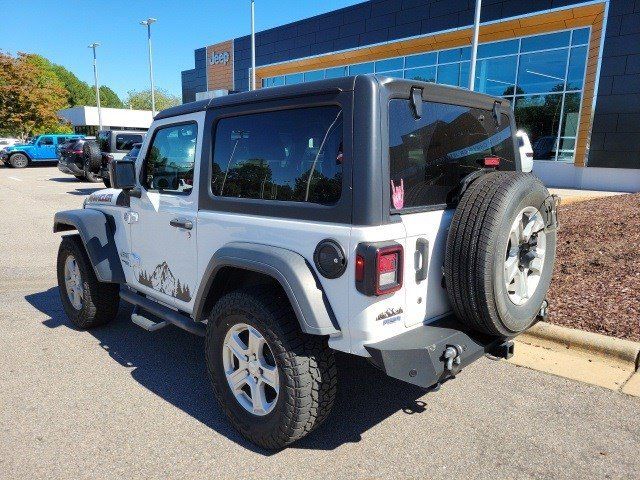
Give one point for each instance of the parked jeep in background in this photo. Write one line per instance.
(42, 148)
(381, 217)
(109, 145)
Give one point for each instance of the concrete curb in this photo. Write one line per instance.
(587, 357)
(610, 349)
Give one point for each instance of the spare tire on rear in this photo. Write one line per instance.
(92, 156)
(499, 255)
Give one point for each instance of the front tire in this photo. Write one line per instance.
(87, 302)
(19, 160)
(299, 368)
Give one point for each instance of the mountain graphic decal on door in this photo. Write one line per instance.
(163, 280)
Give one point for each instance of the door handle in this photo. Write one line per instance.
(186, 224)
(422, 246)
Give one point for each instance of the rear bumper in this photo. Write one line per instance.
(419, 356)
(69, 168)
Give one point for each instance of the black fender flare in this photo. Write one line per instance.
(96, 230)
(288, 268)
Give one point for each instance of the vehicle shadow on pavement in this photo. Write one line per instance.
(68, 179)
(85, 191)
(170, 363)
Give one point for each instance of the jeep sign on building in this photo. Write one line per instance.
(571, 69)
(218, 71)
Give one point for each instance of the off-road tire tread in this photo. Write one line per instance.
(306, 361)
(101, 300)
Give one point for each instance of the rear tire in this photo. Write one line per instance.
(18, 160)
(87, 302)
(497, 271)
(306, 371)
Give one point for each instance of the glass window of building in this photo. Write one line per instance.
(294, 78)
(421, 60)
(424, 74)
(361, 68)
(335, 72)
(389, 64)
(545, 42)
(526, 71)
(496, 76)
(315, 75)
(542, 71)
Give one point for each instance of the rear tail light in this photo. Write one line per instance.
(78, 152)
(491, 161)
(379, 268)
(359, 268)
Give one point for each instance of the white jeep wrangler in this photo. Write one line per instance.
(380, 217)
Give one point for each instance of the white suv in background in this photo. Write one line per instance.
(526, 152)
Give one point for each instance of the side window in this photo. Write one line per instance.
(170, 159)
(125, 141)
(44, 141)
(288, 155)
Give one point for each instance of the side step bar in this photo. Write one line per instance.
(164, 313)
(146, 323)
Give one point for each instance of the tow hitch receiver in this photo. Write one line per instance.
(504, 350)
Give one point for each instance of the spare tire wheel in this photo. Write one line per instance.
(92, 156)
(499, 256)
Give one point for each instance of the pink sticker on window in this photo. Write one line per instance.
(397, 195)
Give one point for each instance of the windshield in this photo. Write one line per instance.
(429, 156)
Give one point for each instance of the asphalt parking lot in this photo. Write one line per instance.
(121, 402)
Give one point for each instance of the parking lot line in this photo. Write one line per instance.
(15, 178)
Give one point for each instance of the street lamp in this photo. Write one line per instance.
(253, 46)
(93, 46)
(474, 46)
(147, 23)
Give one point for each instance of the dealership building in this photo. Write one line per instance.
(570, 69)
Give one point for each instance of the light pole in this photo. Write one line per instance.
(147, 23)
(474, 46)
(253, 45)
(93, 46)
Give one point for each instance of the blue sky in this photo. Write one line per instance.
(64, 28)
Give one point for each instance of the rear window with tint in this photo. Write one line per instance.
(430, 155)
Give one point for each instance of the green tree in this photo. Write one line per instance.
(141, 100)
(30, 96)
(108, 98)
(79, 93)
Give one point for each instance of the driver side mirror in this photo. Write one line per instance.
(122, 174)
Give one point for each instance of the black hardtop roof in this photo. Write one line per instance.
(316, 87)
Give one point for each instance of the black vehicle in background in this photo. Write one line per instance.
(70, 157)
